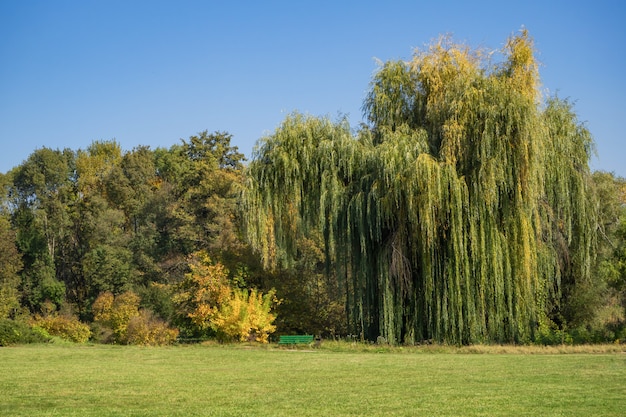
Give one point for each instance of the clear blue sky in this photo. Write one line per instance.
(153, 72)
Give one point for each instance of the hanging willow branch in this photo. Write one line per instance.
(456, 216)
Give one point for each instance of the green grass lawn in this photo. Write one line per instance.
(51, 380)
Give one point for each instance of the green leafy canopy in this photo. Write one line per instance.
(461, 213)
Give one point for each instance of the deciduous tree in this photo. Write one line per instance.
(462, 213)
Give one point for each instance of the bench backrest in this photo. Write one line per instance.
(294, 339)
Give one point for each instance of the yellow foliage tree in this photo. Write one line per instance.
(206, 298)
(246, 316)
(203, 290)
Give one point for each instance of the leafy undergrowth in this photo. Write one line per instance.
(360, 347)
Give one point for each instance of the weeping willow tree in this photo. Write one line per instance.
(460, 214)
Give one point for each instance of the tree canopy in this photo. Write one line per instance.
(461, 213)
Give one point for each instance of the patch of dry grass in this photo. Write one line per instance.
(341, 346)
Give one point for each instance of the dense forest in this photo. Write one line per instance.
(464, 211)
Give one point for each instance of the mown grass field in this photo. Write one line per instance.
(52, 380)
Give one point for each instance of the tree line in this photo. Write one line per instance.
(463, 211)
(108, 237)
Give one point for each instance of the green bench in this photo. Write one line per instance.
(295, 339)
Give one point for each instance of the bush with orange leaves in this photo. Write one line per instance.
(208, 305)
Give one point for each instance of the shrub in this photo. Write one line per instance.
(146, 329)
(101, 333)
(245, 316)
(548, 333)
(15, 332)
(119, 320)
(205, 303)
(65, 327)
(9, 300)
(115, 312)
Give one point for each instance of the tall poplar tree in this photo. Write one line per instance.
(461, 213)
